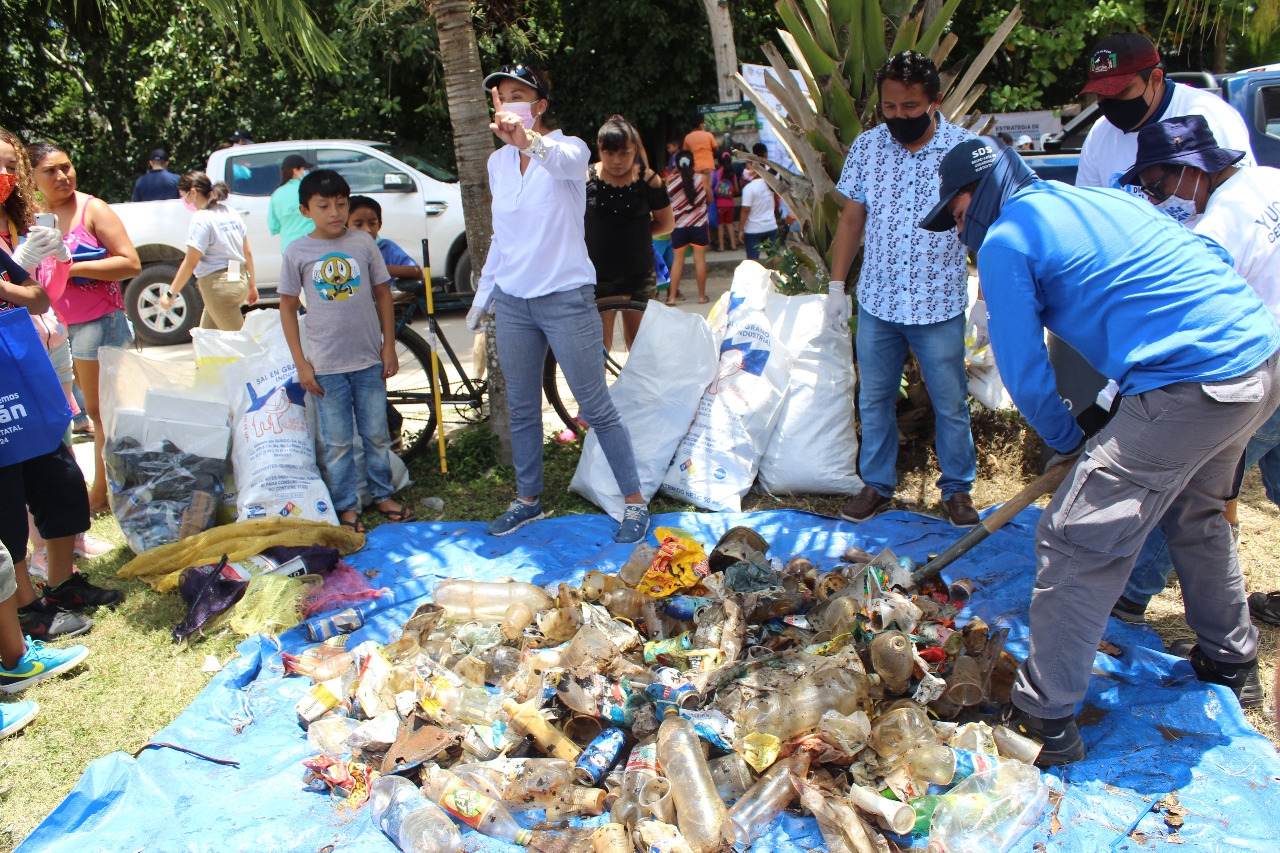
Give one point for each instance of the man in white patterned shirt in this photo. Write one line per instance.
(913, 289)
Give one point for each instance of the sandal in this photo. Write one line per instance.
(702, 300)
(354, 526)
(670, 304)
(398, 516)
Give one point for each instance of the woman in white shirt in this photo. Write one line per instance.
(540, 283)
(217, 253)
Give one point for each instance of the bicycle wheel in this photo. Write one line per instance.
(559, 395)
(411, 412)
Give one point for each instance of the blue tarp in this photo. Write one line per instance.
(1151, 728)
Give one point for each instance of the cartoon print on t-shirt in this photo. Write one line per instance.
(336, 276)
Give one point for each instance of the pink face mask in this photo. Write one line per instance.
(188, 205)
(525, 111)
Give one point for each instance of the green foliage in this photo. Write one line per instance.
(1009, 99)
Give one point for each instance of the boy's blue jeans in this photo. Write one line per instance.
(1151, 572)
(882, 353)
(365, 393)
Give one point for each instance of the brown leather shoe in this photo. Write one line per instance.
(864, 504)
(960, 508)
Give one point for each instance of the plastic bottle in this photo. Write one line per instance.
(757, 808)
(1010, 744)
(526, 719)
(515, 619)
(477, 810)
(938, 763)
(900, 731)
(467, 704)
(989, 812)
(597, 583)
(891, 659)
(642, 765)
(481, 600)
(897, 815)
(637, 564)
(413, 822)
(625, 604)
(700, 813)
(521, 783)
(732, 776)
(780, 604)
(800, 707)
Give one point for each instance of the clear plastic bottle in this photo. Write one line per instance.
(559, 624)
(413, 822)
(938, 763)
(700, 813)
(487, 601)
(477, 810)
(800, 707)
(900, 731)
(596, 583)
(891, 658)
(642, 765)
(732, 776)
(467, 704)
(521, 783)
(637, 564)
(625, 604)
(758, 807)
(515, 619)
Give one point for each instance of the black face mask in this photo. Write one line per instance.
(908, 130)
(1125, 113)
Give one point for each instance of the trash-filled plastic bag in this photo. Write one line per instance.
(716, 462)
(988, 812)
(273, 449)
(656, 402)
(814, 447)
(166, 447)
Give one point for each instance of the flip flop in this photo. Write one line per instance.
(702, 300)
(354, 526)
(671, 305)
(398, 516)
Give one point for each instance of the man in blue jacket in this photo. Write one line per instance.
(159, 183)
(1153, 305)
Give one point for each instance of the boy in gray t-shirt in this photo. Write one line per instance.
(350, 343)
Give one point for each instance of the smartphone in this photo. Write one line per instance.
(46, 220)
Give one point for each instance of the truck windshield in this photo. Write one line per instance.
(423, 165)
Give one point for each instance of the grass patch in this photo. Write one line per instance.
(135, 681)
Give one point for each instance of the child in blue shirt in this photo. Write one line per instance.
(366, 215)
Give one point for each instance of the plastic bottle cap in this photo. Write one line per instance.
(670, 709)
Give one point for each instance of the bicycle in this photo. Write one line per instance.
(410, 393)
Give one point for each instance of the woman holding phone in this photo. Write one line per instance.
(92, 305)
(540, 282)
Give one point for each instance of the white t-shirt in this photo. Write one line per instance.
(757, 196)
(1243, 216)
(218, 233)
(1108, 153)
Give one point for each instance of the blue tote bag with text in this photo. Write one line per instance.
(33, 410)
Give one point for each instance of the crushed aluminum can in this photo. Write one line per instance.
(670, 689)
(683, 607)
(599, 756)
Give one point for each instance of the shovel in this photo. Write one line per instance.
(910, 581)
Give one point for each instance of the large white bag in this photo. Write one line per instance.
(814, 447)
(671, 363)
(716, 462)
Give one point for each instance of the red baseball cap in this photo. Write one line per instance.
(1115, 60)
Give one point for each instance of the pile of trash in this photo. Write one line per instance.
(690, 697)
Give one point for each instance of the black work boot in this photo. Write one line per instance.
(1242, 678)
(1060, 737)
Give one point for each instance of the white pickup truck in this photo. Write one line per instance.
(419, 201)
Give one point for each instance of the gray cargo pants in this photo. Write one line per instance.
(1170, 457)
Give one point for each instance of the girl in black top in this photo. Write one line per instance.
(627, 206)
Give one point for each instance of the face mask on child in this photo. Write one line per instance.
(525, 111)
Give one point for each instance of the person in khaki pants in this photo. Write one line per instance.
(217, 253)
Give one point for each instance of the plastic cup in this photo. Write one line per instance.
(964, 686)
(655, 795)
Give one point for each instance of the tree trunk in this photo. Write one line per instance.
(472, 145)
(1220, 48)
(726, 54)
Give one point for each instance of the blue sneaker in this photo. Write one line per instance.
(15, 715)
(518, 514)
(40, 662)
(635, 523)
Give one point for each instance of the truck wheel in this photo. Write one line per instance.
(154, 326)
(462, 274)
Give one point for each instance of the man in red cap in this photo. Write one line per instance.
(1125, 74)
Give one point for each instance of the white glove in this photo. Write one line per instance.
(978, 323)
(475, 319)
(41, 243)
(836, 308)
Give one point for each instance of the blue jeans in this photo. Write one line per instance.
(569, 323)
(882, 353)
(365, 393)
(752, 242)
(109, 330)
(1151, 572)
